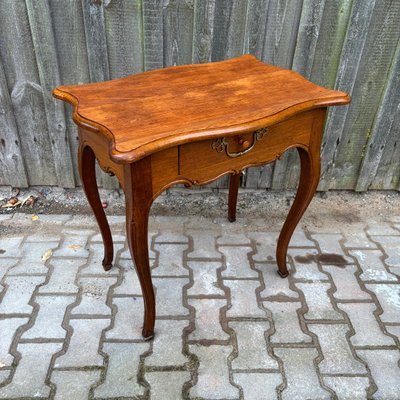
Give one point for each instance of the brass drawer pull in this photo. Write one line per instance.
(221, 144)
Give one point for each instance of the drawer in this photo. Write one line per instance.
(206, 160)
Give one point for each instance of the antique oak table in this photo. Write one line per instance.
(192, 124)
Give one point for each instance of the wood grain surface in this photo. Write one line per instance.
(144, 113)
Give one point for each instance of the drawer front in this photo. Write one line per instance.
(204, 161)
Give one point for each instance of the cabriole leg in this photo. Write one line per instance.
(87, 172)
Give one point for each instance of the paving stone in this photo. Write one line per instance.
(18, 293)
(380, 228)
(122, 372)
(203, 244)
(5, 217)
(301, 377)
(52, 219)
(318, 302)
(237, 262)
(252, 346)
(117, 237)
(213, 374)
(167, 344)
(305, 268)
(171, 236)
(368, 331)
(358, 239)
(169, 296)
(30, 375)
(74, 244)
(329, 244)
(348, 388)
(86, 335)
(208, 319)
(130, 282)
(170, 261)
(275, 286)
(6, 264)
(233, 239)
(4, 374)
(299, 239)
(167, 385)
(93, 295)
(63, 274)
(95, 266)
(389, 298)
(128, 320)
(286, 322)
(266, 245)
(372, 266)
(8, 328)
(49, 318)
(74, 384)
(394, 330)
(243, 299)
(116, 220)
(385, 371)
(126, 254)
(79, 220)
(336, 351)
(205, 279)
(43, 236)
(347, 286)
(391, 246)
(258, 386)
(28, 267)
(33, 251)
(9, 246)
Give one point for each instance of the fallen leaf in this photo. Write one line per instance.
(74, 246)
(11, 205)
(35, 217)
(47, 254)
(2, 365)
(104, 204)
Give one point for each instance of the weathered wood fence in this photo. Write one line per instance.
(352, 45)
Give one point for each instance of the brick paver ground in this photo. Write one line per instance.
(228, 327)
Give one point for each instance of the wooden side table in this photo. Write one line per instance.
(192, 124)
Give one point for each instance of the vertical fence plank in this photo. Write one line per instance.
(354, 44)
(203, 31)
(286, 171)
(123, 19)
(178, 17)
(45, 51)
(153, 34)
(383, 148)
(281, 31)
(96, 43)
(69, 34)
(382, 36)
(17, 53)
(12, 168)
(229, 28)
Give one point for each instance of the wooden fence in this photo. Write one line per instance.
(351, 45)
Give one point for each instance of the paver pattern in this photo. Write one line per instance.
(228, 327)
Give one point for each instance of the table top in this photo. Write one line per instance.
(147, 112)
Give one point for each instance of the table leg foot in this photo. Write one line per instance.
(231, 219)
(283, 274)
(106, 266)
(147, 335)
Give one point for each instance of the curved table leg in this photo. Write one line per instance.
(138, 199)
(234, 182)
(87, 172)
(309, 178)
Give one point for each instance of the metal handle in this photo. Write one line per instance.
(221, 144)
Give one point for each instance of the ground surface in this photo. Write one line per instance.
(228, 326)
